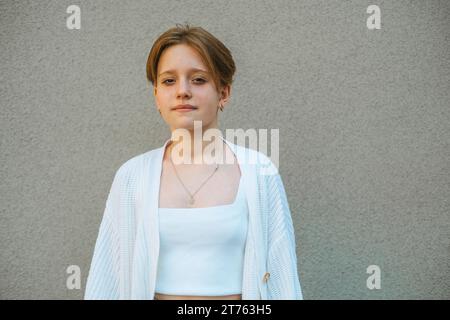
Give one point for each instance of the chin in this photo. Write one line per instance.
(186, 124)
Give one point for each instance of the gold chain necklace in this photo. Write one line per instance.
(191, 195)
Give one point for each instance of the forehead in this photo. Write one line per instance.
(180, 58)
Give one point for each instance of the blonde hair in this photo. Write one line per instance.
(215, 54)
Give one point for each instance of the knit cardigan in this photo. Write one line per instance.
(125, 258)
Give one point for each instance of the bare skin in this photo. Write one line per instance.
(221, 189)
(172, 297)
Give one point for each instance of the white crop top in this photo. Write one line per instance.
(202, 249)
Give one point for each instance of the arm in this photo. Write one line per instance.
(103, 279)
(284, 281)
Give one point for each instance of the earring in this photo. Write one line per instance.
(221, 107)
(159, 111)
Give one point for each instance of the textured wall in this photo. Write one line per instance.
(363, 118)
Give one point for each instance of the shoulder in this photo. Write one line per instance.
(135, 164)
(264, 164)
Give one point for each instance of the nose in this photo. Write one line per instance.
(183, 89)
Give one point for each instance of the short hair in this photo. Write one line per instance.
(216, 56)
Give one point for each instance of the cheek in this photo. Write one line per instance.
(206, 95)
(162, 98)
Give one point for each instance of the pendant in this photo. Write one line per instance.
(191, 202)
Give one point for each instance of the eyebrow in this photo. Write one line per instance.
(173, 71)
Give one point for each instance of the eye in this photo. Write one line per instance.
(165, 81)
(201, 80)
(198, 80)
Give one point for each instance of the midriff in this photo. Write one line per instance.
(159, 296)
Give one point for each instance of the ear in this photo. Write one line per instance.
(225, 93)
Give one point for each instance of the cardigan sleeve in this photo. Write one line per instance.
(283, 283)
(103, 279)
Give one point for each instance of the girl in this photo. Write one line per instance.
(196, 229)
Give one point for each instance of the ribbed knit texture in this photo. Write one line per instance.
(124, 261)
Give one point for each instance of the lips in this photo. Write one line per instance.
(184, 107)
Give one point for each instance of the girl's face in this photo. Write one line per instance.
(182, 78)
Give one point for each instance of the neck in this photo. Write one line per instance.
(194, 146)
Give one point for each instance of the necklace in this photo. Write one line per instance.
(191, 195)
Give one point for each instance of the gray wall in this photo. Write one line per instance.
(363, 118)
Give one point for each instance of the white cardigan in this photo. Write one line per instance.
(126, 252)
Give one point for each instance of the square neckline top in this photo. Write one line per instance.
(218, 207)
